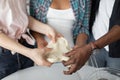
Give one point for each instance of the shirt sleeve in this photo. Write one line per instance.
(32, 7)
(115, 17)
(85, 21)
(3, 18)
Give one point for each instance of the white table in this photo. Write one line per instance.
(55, 72)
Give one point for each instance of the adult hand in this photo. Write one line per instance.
(78, 57)
(53, 34)
(41, 42)
(39, 56)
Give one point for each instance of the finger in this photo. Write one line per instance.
(54, 39)
(69, 54)
(60, 35)
(71, 70)
(51, 38)
(46, 63)
(69, 62)
(76, 46)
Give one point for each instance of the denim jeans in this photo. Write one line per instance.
(11, 63)
(102, 59)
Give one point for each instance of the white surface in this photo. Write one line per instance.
(101, 24)
(102, 74)
(55, 72)
(43, 73)
(91, 73)
(62, 21)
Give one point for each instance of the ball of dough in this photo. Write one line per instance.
(59, 48)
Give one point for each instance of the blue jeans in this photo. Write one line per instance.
(101, 59)
(11, 63)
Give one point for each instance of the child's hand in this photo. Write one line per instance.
(39, 56)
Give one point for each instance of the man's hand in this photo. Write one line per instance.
(78, 57)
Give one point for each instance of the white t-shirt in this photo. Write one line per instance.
(62, 21)
(101, 24)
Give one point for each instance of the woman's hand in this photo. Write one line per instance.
(39, 56)
(52, 34)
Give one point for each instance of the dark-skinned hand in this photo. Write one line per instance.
(78, 57)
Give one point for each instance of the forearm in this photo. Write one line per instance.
(12, 45)
(37, 26)
(112, 36)
(81, 39)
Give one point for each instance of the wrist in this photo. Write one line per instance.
(93, 46)
(27, 52)
(47, 29)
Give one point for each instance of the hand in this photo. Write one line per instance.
(53, 34)
(41, 42)
(39, 56)
(78, 57)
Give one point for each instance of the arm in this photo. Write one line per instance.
(112, 36)
(38, 26)
(41, 42)
(81, 40)
(81, 54)
(45, 29)
(84, 30)
(6, 42)
(37, 55)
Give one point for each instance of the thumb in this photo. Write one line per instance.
(53, 38)
(46, 63)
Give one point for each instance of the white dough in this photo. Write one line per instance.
(59, 48)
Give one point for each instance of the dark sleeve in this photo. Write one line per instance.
(115, 17)
(32, 8)
(114, 48)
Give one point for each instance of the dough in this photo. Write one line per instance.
(59, 48)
